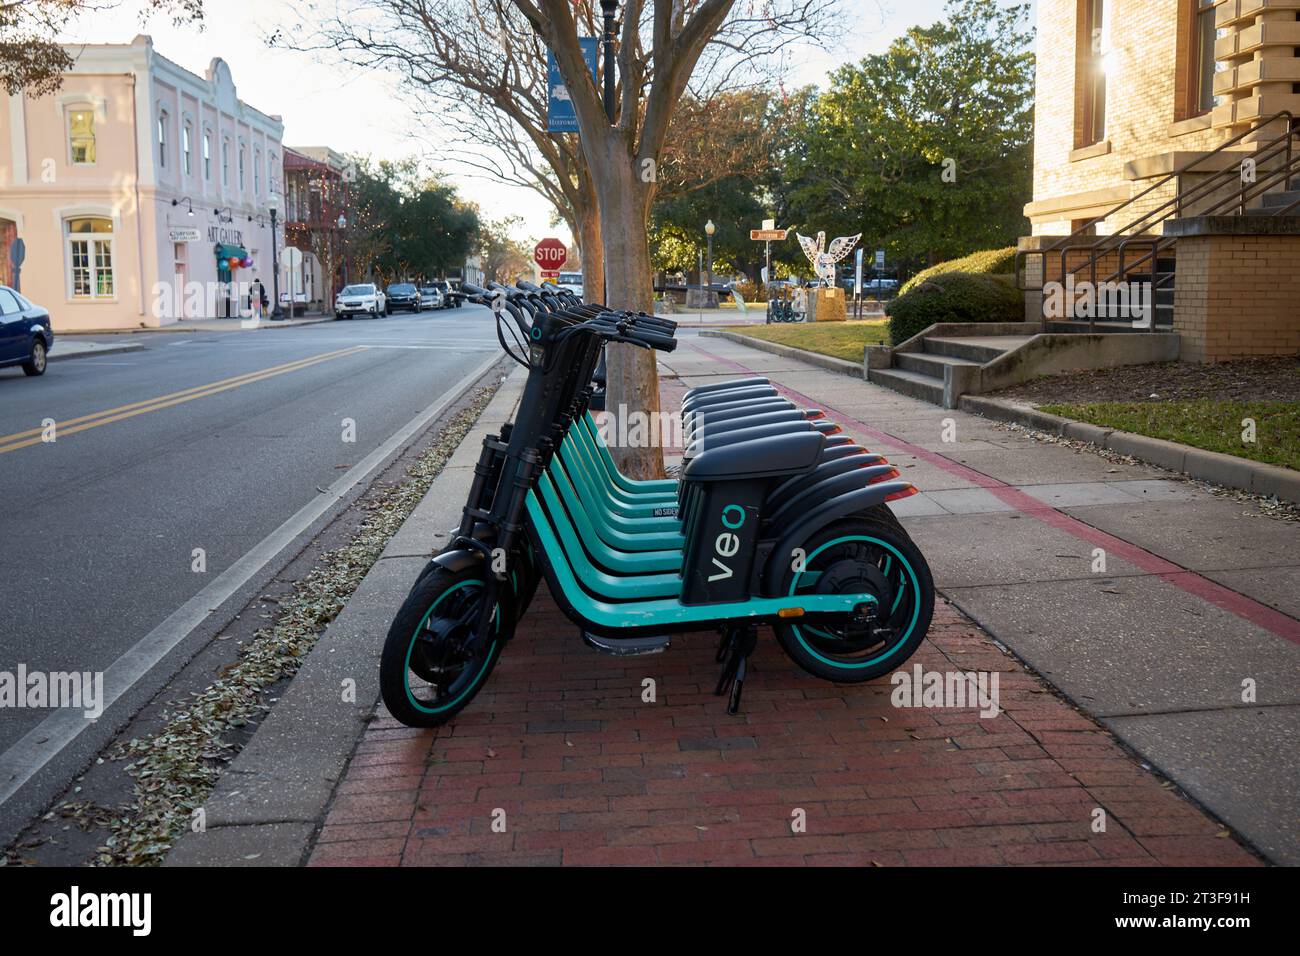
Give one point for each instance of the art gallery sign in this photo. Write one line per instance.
(227, 237)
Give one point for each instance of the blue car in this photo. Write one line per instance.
(25, 333)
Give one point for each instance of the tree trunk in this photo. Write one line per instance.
(632, 382)
(593, 255)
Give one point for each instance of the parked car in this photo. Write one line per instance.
(449, 301)
(361, 299)
(403, 295)
(431, 297)
(572, 281)
(26, 335)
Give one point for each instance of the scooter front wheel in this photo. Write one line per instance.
(432, 666)
(868, 557)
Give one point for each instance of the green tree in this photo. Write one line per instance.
(31, 57)
(925, 148)
(405, 224)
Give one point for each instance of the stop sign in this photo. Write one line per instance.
(550, 254)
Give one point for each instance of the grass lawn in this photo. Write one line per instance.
(1212, 424)
(843, 340)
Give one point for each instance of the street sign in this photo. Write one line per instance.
(550, 254)
(560, 117)
(857, 272)
(880, 258)
(550, 274)
(767, 235)
(17, 256)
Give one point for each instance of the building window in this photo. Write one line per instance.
(257, 172)
(242, 150)
(1092, 59)
(186, 153)
(90, 257)
(1202, 86)
(162, 139)
(81, 136)
(207, 156)
(225, 162)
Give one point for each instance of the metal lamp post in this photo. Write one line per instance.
(709, 230)
(609, 10)
(273, 206)
(343, 224)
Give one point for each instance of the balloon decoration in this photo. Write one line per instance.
(247, 262)
(233, 262)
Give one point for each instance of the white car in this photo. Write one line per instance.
(431, 297)
(363, 299)
(572, 282)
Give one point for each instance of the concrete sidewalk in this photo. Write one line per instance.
(1185, 642)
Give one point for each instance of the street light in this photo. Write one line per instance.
(273, 207)
(189, 206)
(343, 224)
(709, 230)
(609, 9)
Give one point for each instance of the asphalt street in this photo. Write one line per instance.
(201, 441)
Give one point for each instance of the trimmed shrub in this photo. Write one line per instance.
(992, 261)
(954, 297)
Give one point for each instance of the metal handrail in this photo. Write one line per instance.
(1178, 200)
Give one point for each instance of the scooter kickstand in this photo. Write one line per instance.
(739, 643)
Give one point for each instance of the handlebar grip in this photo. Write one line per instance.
(664, 343)
(473, 289)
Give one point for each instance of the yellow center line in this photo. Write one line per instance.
(73, 425)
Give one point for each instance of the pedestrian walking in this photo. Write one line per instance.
(257, 298)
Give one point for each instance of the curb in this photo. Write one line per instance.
(269, 801)
(843, 366)
(1256, 477)
(91, 353)
(264, 324)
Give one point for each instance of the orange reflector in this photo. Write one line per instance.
(790, 612)
(885, 476)
(905, 493)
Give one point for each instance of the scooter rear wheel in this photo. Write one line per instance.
(860, 556)
(431, 667)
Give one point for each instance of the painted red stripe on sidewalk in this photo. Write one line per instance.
(1180, 577)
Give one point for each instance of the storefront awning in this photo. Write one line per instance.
(231, 252)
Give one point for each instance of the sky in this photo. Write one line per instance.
(324, 104)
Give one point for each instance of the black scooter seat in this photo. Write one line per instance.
(789, 454)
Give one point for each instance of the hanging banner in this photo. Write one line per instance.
(560, 117)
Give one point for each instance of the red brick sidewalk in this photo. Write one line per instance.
(586, 773)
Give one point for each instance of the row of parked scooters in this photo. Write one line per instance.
(778, 519)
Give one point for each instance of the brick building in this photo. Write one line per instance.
(1166, 153)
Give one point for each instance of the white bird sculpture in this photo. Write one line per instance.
(823, 260)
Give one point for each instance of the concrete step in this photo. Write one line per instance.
(1081, 325)
(928, 363)
(1278, 199)
(975, 348)
(925, 387)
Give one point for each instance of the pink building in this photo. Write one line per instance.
(133, 187)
